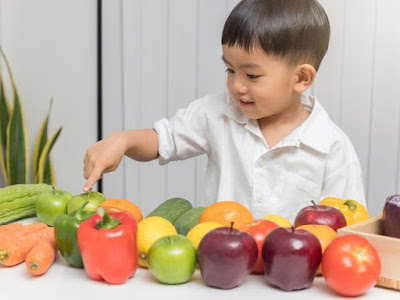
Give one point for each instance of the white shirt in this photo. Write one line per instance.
(315, 161)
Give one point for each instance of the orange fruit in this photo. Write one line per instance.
(323, 233)
(124, 205)
(225, 212)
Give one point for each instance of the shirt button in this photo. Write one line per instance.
(259, 198)
(262, 162)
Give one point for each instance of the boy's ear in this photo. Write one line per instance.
(304, 77)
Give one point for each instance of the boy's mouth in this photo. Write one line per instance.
(245, 103)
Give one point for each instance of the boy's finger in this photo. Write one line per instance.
(93, 178)
(87, 170)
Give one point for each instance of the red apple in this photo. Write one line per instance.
(391, 216)
(291, 258)
(226, 256)
(320, 215)
(259, 230)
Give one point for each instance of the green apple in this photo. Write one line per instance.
(172, 259)
(49, 205)
(94, 198)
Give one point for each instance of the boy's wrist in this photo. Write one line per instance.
(122, 140)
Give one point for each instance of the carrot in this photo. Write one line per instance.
(5, 229)
(42, 256)
(20, 232)
(15, 251)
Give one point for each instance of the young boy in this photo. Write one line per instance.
(269, 146)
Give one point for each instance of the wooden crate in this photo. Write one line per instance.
(387, 247)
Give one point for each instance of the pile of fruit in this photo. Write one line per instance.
(223, 240)
(228, 245)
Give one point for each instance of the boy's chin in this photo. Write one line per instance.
(252, 115)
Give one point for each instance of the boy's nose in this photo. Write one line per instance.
(239, 87)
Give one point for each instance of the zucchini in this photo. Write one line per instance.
(171, 209)
(18, 201)
(188, 220)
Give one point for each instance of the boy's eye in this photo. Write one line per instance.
(253, 76)
(229, 71)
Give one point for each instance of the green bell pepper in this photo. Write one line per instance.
(65, 232)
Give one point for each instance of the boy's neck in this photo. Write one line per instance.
(274, 128)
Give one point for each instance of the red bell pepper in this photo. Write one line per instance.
(107, 242)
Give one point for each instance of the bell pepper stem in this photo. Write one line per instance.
(352, 206)
(79, 212)
(106, 221)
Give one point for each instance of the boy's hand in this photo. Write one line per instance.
(102, 157)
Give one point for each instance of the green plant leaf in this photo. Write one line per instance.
(4, 118)
(17, 145)
(17, 153)
(49, 175)
(44, 160)
(40, 142)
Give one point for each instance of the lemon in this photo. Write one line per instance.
(279, 220)
(200, 230)
(149, 231)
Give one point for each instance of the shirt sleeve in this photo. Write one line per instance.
(344, 177)
(185, 134)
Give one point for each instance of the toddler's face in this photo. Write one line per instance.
(261, 85)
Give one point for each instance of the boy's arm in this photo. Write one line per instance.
(142, 144)
(182, 137)
(186, 134)
(106, 155)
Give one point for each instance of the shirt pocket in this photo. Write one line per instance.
(293, 192)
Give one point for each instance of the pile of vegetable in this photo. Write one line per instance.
(33, 243)
(176, 237)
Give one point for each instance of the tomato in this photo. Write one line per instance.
(351, 265)
(259, 230)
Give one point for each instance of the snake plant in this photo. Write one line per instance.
(14, 144)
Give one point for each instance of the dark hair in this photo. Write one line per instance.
(295, 30)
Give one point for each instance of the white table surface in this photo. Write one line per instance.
(65, 282)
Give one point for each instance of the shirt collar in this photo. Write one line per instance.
(315, 132)
(233, 111)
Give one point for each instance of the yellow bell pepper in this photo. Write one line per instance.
(353, 211)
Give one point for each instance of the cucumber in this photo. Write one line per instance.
(171, 209)
(18, 201)
(188, 220)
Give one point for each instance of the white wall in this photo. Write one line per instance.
(164, 54)
(52, 48)
(358, 86)
(160, 55)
